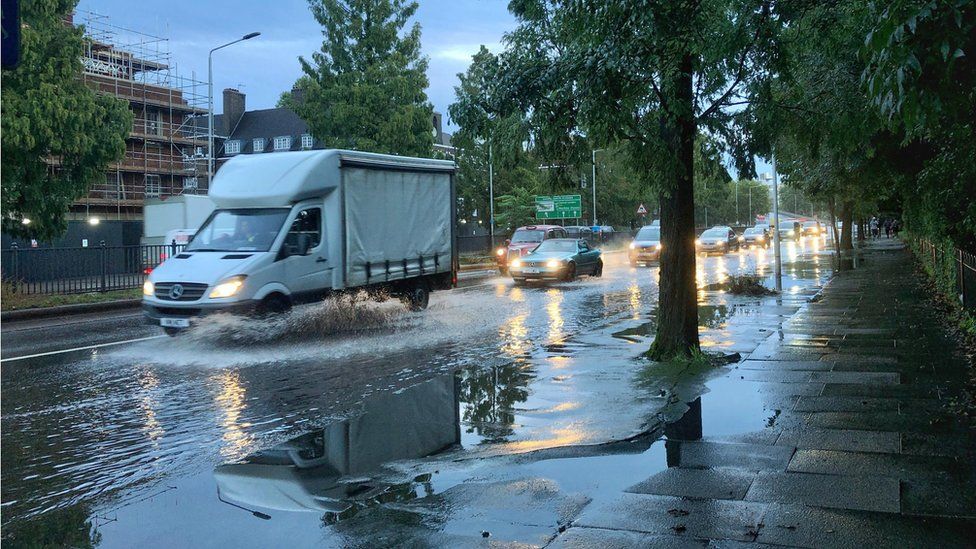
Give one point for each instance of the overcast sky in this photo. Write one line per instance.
(265, 66)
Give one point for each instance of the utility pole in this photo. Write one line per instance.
(593, 164)
(491, 197)
(776, 245)
(737, 201)
(210, 107)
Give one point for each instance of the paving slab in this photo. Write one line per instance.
(917, 390)
(903, 466)
(863, 493)
(804, 526)
(960, 444)
(939, 497)
(697, 483)
(784, 365)
(586, 538)
(874, 378)
(668, 515)
(871, 421)
(849, 440)
(747, 457)
(844, 404)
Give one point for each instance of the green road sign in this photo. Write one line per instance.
(566, 206)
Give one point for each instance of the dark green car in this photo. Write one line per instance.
(557, 259)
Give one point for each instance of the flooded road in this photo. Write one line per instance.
(315, 429)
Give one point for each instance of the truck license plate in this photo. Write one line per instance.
(532, 270)
(174, 322)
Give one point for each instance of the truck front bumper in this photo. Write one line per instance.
(155, 312)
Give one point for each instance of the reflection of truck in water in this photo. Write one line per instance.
(295, 226)
(334, 469)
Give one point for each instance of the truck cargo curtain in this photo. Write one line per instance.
(397, 217)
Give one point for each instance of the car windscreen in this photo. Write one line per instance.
(557, 246)
(245, 230)
(754, 230)
(811, 224)
(649, 233)
(528, 235)
(715, 233)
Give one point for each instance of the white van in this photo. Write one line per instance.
(295, 226)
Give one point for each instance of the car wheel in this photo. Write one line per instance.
(598, 270)
(503, 271)
(274, 304)
(518, 281)
(570, 272)
(172, 332)
(417, 298)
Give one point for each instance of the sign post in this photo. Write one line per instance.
(568, 206)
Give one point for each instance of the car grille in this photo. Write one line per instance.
(192, 291)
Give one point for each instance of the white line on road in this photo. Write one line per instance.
(100, 345)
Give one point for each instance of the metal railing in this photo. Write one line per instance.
(950, 262)
(80, 270)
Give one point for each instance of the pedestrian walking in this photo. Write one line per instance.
(887, 228)
(873, 225)
(895, 227)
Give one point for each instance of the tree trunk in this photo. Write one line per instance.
(677, 318)
(847, 218)
(833, 223)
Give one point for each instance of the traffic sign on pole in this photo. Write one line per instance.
(568, 206)
(641, 210)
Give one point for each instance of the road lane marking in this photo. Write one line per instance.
(75, 349)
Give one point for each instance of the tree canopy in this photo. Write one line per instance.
(364, 89)
(59, 136)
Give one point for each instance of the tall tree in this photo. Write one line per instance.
(365, 87)
(59, 136)
(651, 76)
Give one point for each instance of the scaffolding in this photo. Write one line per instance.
(166, 147)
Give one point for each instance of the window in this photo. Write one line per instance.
(306, 141)
(306, 222)
(241, 230)
(282, 143)
(232, 146)
(258, 144)
(153, 186)
(154, 123)
(190, 184)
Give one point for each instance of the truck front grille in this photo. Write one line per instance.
(189, 291)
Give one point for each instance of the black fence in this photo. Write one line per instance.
(953, 266)
(80, 270)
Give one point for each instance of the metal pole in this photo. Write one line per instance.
(593, 163)
(737, 201)
(778, 258)
(491, 197)
(750, 205)
(210, 128)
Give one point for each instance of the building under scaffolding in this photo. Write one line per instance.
(165, 154)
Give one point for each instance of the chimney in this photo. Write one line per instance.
(233, 111)
(297, 95)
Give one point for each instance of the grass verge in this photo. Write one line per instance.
(13, 301)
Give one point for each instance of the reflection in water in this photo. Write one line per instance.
(554, 299)
(688, 427)
(332, 470)
(489, 397)
(635, 300)
(147, 403)
(231, 402)
(514, 335)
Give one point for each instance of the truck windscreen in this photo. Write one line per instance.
(246, 230)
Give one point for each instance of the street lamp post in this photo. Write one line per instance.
(210, 107)
(776, 240)
(491, 198)
(593, 164)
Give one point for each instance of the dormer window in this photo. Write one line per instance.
(306, 141)
(258, 144)
(282, 143)
(232, 146)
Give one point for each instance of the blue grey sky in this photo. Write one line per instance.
(268, 65)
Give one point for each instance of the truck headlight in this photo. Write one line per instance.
(633, 245)
(148, 288)
(697, 242)
(659, 246)
(552, 263)
(516, 263)
(228, 287)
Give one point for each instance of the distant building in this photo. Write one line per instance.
(240, 131)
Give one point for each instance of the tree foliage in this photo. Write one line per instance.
(59, 136)
(364, 89)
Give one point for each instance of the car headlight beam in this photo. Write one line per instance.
(500, 252)
(227, 288)
(552, 263)
(516, 263)
(148, 288)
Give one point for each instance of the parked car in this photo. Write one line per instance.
(523, 241)
(297, 226)
(718, 239)
(756, 236)
(646, 246)
(558, 259)
(579, 231)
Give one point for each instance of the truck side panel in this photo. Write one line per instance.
(396, 219)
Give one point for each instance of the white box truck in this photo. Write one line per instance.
(293, 227)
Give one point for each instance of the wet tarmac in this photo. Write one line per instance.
(499, 411)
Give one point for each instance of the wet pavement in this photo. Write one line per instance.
(500, 416)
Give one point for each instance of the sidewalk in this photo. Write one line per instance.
(831, 433)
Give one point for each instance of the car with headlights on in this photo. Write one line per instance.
(720, 239)
(523, 241)
(756, 236)
(646, 246)
(812, 228)
(557, 259)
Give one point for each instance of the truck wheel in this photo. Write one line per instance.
(598, 270)
(417, 298)
(570, 272)
(172, 332)
(274, 304)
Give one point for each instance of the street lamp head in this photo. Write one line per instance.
(250, 35)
